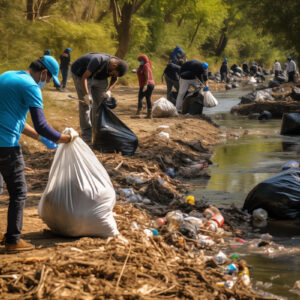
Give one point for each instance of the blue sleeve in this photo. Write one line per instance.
(41, 126)
(33, 96)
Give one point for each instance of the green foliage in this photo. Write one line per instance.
(156, 28)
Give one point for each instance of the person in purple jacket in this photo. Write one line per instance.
(20, 92)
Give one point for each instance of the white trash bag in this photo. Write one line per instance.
(163, 108)
(209, 99)
(79, 197)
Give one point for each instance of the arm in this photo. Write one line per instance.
(42, 128)
(29, 131)
(84, 78)
(113, 83)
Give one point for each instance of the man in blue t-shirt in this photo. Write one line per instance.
(192, 72)
(20, 92)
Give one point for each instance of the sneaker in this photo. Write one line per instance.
(20, 246)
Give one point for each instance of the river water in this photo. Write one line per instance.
(239, 165)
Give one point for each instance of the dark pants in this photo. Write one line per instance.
(291, 76)
(147, 94)
(12, 169)
(170, 83)
(64, 74)
(224, 77)
(276, 73)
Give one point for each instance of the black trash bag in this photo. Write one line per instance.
(295, 93)
(274, 83)
(279, 195)
(265, 115)
(110, 102)
(249, 98)
(290, 124)
(233, 68)
(193, 103)
(112, 135)
(281, 78)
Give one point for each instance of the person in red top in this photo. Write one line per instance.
(146, 84)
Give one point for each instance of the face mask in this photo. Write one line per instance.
(41, 84)
(141, 63)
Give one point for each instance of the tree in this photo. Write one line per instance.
(123, 10)
(280, 18)
(38, 8)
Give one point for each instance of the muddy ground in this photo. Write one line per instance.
(131, 266)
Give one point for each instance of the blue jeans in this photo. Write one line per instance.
(12, 169)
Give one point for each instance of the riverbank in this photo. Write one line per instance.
(135, 265)
(279, 101)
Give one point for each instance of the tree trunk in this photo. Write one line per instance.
(222, 42)
(30, 10)
(195, 33)
(44, 6)
(124, 30)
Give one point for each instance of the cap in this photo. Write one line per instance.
(289, 58)
(225, 59)
(205, 65)
(52, 66)
(69, 49)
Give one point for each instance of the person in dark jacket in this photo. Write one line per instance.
(224, 70)
(171, 75)
(90, 73)
(65, 60)
(47, 52)
(177, 54)
(192, 72)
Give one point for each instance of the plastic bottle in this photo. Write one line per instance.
(159, 222)
(210, 212)
(220, 258)
(219, 219)
(212, 225)
(171, 173)
(244, 273)
(154, 231)
(234, 256)
(230, 269)
(190, 200)
(174, 219)
(195, 221)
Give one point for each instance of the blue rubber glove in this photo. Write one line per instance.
(49, 144)
(206, 89)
